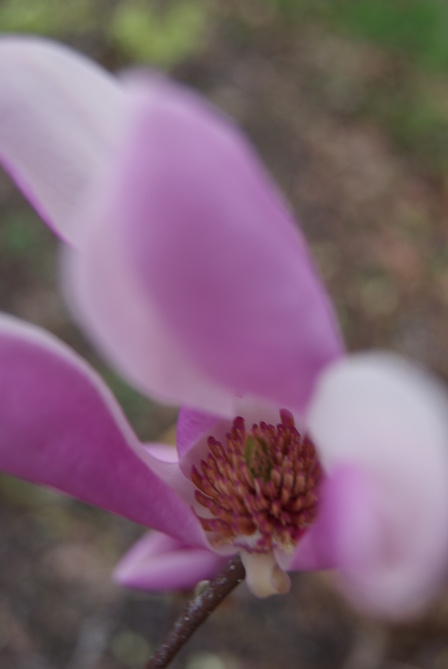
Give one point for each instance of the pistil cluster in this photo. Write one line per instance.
(259, 490)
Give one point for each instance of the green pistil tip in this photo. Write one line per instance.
(256, 456)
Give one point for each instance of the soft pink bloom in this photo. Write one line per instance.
(186, 268)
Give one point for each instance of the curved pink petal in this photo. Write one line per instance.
(163, 460)
(213, 251)
(192, 427)
(111, 306)
(381, 427)
(167, 453)
(347, 520)
(61, 427)
(158, 562)
(312, 553)
(59, 120)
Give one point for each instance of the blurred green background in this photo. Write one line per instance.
(347, 103)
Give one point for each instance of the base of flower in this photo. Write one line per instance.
(263, 575)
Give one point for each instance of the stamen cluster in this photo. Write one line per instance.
(260, 488)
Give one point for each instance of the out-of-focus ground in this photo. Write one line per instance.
(347, 102)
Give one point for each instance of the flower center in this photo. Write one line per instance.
(259, 490)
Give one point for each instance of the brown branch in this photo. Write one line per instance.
(196, 611)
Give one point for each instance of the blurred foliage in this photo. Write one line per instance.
(417, 28)
(20, 236)
(411, 100)
(139, 30)
(130, 648)
(417, 119)
(54, 18)
(163, 38)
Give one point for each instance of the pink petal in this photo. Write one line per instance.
(381, 426)
(61, 427)
(164, 452)
(312, 553)
(159, 562)
(163, 460)
(346, 529)
(59, 120)
(209, 245)
(193, 430)
(192, 427)
(110, 305)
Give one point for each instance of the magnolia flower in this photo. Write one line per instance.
(186, 268)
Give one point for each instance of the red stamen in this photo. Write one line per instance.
(260, 487)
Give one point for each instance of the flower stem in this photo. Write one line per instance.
(196, 611)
